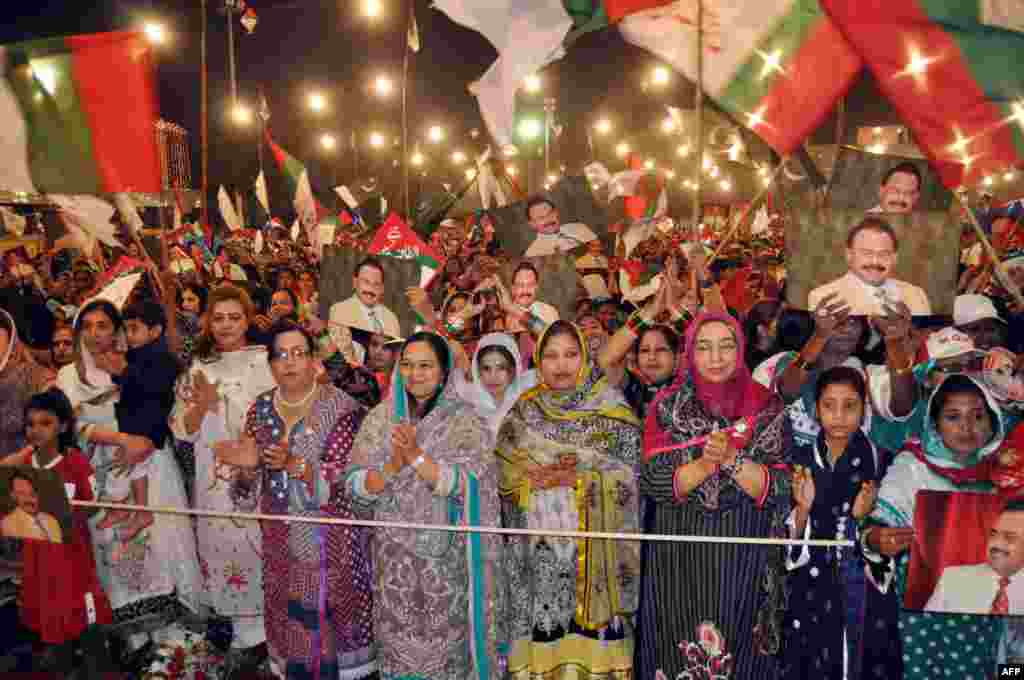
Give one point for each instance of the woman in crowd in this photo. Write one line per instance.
(308, 290)
(834, 613)
(20, 378)
(716, 444)
(568, 451)
(498, 379)
(965, 428)
(191, 299)
(155, 571)
(317, 577)
(654, 347)
(213, 398)
(422, 456)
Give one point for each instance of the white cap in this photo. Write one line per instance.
(968, 309)
(950, 343)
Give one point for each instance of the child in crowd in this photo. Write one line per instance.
(837, 620)
(146, 376)
(61, 594)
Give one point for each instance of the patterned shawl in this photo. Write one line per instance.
(456, 439)
(593, 424)
(20, 378)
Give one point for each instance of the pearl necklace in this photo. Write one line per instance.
(294, 404)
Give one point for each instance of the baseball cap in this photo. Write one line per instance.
(968, 309)
(950, 343)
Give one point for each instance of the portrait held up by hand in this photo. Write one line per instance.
(967, 555)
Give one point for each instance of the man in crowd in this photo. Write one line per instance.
(991, 587)
(866, 288)
(364, 309)
(900, 189)
(976, 316)
(553, 236)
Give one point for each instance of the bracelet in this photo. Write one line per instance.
(637, 324)
(801, 363)
(906, 369)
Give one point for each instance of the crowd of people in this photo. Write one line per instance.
(709, 409)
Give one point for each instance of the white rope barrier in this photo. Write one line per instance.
(558, 533)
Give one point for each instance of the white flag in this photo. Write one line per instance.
(296, 230)
(227, 209)
(527, 34)
(257, 244)
(87, 219)
(346, 195)
(261, 192)
(129, 213)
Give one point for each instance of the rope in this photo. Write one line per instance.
(559, 533)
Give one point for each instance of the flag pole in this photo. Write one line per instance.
(749, 209)
(699, 116)
(204, 125)
(997, 266)
(405, 113)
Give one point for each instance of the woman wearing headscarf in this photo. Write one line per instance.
(157, 569)
(964, 429)
(213, 397)
(317, 577)
(20, 378)
(715, 451)
(498, 379)
(422, 456)
(568, 451)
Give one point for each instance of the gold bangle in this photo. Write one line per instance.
(906, 369)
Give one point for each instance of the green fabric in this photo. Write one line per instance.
(60, 146)
(747, 88)
(587, 16)
(992, 54)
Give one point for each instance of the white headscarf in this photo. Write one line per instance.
(476, 394)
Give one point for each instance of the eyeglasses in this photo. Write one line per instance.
(880, 255)
(286, 354)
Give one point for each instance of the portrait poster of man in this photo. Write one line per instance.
(344, 294)
(887, 183)
(968, 554)
(869, 261)
(556, 285)
(571, 207)
(33, 505)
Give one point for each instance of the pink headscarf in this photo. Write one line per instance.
(738, 397)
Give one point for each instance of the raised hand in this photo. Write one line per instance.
(830, 314)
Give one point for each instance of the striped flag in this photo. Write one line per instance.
(777, 66)
(307, 207)
(78, 115)
(953, 72)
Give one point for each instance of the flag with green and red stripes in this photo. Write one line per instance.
(78, 115)
(953, 72)
(777, 66)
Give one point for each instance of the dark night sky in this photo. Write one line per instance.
(328, 44)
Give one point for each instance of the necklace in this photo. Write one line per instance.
(301, 402)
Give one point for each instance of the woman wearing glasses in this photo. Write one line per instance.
(289, 461)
